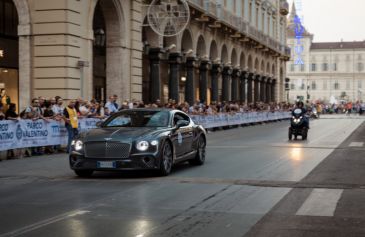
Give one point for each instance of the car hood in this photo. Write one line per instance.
(126, 134)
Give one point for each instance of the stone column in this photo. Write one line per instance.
(25, 72)
(155, 77)
(257, 91)
(203, 81)
(273, 88)
(234, 87)
(268, 90)
(242, 85)
(216, 69)
(174, 77)
(263, 89)
(250, 87)
(227, 72)
(190, 80)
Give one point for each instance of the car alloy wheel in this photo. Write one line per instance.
(166, 159)
(200, 155)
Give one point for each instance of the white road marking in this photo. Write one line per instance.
(43, 223)
(321, 202)
(78, 213)
(356, 144)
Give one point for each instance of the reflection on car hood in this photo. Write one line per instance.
(126, 134)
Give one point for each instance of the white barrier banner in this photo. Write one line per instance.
(29, 133)
(221, 120)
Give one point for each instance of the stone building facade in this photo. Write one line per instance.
(97, 48)
(332, 71)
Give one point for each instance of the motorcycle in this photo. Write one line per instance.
(297, 125)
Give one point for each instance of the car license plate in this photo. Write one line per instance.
(106, 164)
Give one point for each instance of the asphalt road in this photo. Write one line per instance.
(251, 178)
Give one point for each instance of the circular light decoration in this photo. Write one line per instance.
(168, 17)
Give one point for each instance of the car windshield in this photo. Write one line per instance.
(139, 119)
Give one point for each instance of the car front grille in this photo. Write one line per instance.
(107, 150)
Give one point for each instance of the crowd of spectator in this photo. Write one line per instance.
(54, 108)
(341, 108)
(57, 109)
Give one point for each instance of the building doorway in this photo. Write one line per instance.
(9, 54)
(99, 55)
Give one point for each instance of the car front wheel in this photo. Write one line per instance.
(200, 154)
(166, 160)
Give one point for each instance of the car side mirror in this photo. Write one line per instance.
(98, 124)
(182, 123)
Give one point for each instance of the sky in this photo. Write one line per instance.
(333, 20)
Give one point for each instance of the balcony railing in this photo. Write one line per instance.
(215, 10)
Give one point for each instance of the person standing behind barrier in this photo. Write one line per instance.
(71, 122)
(5, 100)
(111, 105)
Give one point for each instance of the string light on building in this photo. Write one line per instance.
(1, 53)
(299, 30)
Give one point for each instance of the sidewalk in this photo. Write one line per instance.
(332, 202)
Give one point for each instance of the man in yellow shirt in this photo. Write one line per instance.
(71, 122)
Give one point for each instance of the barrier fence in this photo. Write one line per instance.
(29, 133)
(221, 120)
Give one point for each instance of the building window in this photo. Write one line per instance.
(325, 67)
(257, 18)
(313, 67)
(250, 12)
(314, 85)
(292, 67)
(360, 67)
(302, 67)
(302, 86)
(359, 84)
(336, 85)
(8, 19)
(263, 22)
(335, 67)
(292, 86)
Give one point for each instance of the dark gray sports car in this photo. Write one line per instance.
(138, 139)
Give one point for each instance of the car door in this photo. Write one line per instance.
(183, 135)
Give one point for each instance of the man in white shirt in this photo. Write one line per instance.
(111, 105)
(58, 108)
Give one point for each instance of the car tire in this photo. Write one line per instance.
(166, 160)
(199, 159)
(84, 173)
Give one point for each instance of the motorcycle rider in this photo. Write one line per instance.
(300, 105)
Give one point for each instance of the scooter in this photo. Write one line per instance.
(297, 126)
(314, 114)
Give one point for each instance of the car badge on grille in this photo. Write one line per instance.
(107, 139)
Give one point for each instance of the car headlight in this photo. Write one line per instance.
(142, 145)
(79, 145)
(154, 143)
